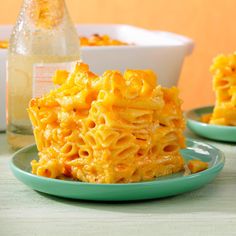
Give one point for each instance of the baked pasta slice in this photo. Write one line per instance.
(224, 84)
(112, 128)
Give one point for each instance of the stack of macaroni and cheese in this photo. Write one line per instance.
(114, 128)
(224, 84)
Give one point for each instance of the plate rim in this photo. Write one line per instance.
(215, 168)
(202, 124)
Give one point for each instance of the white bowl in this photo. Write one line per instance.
(160, 51)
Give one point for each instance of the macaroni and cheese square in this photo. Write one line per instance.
(112, 128)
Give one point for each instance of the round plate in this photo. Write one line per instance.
(215, 132)
(161, 187)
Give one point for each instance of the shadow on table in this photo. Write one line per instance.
(207, 199)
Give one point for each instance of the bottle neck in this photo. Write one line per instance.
(44, 27)
(45, 14)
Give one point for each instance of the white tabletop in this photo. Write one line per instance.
(210, 210)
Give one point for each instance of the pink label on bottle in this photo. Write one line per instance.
(42, 76)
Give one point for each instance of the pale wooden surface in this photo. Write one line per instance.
(208, 211)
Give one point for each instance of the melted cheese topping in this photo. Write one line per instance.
(94, 40)
(109, 129)
(100, 40)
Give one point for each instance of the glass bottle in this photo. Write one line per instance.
(43, 40)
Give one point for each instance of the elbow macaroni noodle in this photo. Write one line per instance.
(109, 129)
(224, 84)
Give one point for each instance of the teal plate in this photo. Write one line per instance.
(214, 132)
(158, 188)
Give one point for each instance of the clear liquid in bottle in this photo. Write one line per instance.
(43, 40)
